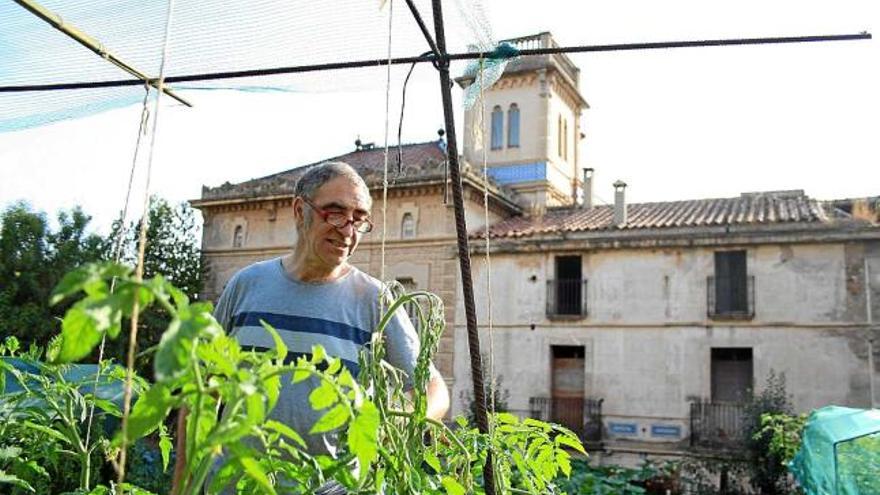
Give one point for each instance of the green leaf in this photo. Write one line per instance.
(334, 418)
(286, 431)
(272, 385)
(10, 479)
(48, 431)
(107, 406)
(256, 409)
(165, 447)
(173, 354)
(280, 347)
(534, 423)
(150, 411)
(226, 476)
(85, 275)
(432, 461)
(323, 396)
(255, 472)
(81, 329)
(9, 452)
(563, 461)
(506, 418)
(318, 354)
(363, 436)
(300, 375)
(452, 486)
(334, 366)
(570, 441)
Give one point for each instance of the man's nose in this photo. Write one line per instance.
(347, 230)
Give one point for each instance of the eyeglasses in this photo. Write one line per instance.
(341, 220)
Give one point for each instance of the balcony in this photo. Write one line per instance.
(730, 298)
(582, 415)
(566, 299)
(716, 424)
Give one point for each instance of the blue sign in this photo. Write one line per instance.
(669, 431)
(623, 428)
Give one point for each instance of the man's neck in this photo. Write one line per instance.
(304, 270)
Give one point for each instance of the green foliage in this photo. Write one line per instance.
(857, 464)
(379, 425)
(172, 251)
(33, 257)
(615, 480)
(767, 472)
(44, 442)
(785, 433)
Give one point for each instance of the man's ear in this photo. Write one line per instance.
(299, 214)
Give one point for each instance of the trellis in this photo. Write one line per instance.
(440, 58)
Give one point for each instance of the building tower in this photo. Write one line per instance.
(531, 128)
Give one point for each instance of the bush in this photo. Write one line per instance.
(767, 471)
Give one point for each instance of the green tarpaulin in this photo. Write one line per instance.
(840, 452)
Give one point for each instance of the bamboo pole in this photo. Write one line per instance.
(92, 44)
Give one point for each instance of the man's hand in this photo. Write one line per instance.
(437, 395)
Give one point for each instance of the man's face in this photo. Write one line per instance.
(325, 244)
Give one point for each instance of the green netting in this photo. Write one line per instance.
(840, 452)
(211, 36)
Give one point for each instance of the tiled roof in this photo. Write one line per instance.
(420, 161)
(748, 209)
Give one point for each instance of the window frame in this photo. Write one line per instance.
(513, 126)
(497, 128)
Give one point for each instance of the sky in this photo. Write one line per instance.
(673, 124)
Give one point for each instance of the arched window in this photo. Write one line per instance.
(559, 136)
(513, 126)
(497, 128)
(408, 226)
(565, 139)
(238, 237)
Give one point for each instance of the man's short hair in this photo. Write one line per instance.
(321, 174)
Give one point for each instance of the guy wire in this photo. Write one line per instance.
(492, 384)
(385, 163)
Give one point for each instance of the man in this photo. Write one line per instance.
(314, 296)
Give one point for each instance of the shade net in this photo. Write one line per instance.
(211, 36)
(840, 452)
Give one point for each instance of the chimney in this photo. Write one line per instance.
(588, 188)
(620, 203)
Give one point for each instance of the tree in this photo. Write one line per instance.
(33, 258)
(768, 473)
(173, 251)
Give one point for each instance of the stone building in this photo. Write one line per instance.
(639, 325)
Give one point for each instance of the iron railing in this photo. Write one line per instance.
(728, 298)
(716, 424)
(566, 298)
(582, 415)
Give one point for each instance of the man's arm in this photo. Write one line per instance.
(438, 396)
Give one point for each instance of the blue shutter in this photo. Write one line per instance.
(513, 126)
(497, 128)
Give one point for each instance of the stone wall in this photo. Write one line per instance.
(647, 338)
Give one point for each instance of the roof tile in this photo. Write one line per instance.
(776, 207)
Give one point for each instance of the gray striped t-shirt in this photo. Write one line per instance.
(339, 315)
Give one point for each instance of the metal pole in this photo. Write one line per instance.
(381, 62)
(423, 28)
(464, 257)
(870, 316)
